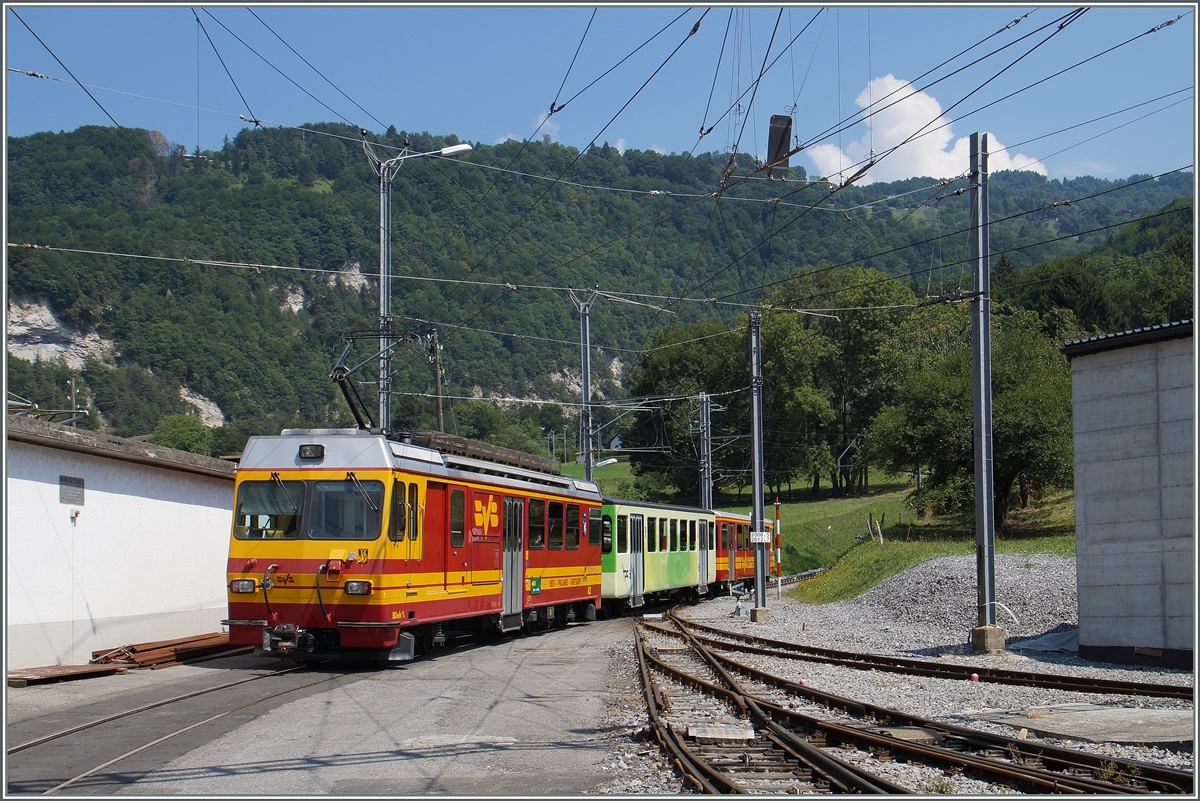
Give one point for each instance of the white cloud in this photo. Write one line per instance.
(900, 116)
(658, 150)
(507, 138)
(545, 126)
(620, 146)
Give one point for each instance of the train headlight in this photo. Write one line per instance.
(241, 586)
(357, 588)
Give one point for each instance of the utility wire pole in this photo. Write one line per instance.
(584, 307)
(758, 528)
(386, 170)
(987, 636)
(435, 357)
(706, 466)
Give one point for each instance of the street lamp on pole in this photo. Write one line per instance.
(386, 169)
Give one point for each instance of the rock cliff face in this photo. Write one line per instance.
(34, 332)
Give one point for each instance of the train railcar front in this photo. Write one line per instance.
(735, 552)
(347, 542)
(654, 550)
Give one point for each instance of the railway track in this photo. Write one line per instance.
(869, 734)
(85, 756)
(702, 724)
(918, 667)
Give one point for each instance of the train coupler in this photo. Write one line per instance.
(286, 638)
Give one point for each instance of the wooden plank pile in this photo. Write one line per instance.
(168, 653)
(22, 677)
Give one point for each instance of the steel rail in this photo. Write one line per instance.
(920, 667)
(1154, 777)
(681, 756)
(840, 775)
(1028, 778)
(1130, 773)
(99, 721)
(177, 732)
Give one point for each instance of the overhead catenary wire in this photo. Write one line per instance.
(314, 69)
(1065, 21)
(628, 190)
(991, 222)
(997, 253)
(266, 61)
(648, 296)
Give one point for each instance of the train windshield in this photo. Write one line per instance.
(322, 510)
(268, 510)
(345, 510)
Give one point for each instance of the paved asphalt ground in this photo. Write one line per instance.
(512, 716)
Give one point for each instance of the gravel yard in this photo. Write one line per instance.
(928, 613)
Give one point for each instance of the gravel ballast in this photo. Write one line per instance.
(925, 613)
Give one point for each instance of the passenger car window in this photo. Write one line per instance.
(622, 534)
(573, 526)
(457, 518)
(554, 533)
(594, 526)
(606, 542)
(537, 524)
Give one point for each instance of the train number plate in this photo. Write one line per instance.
(760, 536)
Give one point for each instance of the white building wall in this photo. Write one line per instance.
(144, 560)
(1134, 478)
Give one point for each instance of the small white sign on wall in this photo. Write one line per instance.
(70, 490)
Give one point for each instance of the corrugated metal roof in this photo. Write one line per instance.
(1124, 339)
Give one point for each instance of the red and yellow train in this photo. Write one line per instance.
(350, 542)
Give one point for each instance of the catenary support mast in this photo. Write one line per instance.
(987, 636)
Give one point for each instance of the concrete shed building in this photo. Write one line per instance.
(108, 542)
(1133, 409)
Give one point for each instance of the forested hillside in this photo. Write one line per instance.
(261, 250)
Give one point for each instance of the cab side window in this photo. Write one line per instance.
(413, 507)
(399, 515)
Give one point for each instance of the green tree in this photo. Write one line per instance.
(183, 432)
(930, 420)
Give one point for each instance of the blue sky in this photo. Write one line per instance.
(486, 74)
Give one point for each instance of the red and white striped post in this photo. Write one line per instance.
(778, 555)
